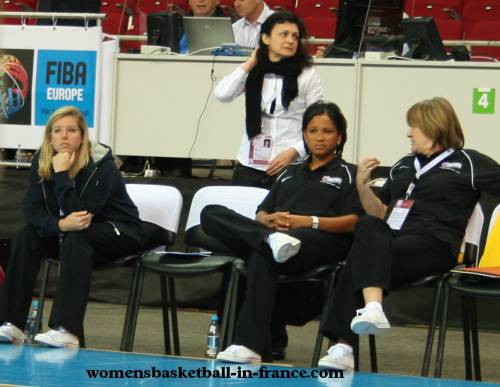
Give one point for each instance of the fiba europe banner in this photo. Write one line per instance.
(43, 68)
(65, 78)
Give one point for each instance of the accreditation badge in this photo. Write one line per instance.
(399, 213)
(260, 149)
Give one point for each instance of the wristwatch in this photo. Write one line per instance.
(315, 222)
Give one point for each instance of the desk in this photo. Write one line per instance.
(159, 100)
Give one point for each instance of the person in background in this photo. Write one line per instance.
(77, 210)
(253, 14)
(305, 221)
(201, 8)
(279, 83)
(413, 229)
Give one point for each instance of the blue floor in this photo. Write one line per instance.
(47, 367)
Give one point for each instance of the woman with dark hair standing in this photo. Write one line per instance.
(304, 221)
(77, 210)
(279, 84)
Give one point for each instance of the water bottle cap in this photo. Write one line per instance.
(214, 318)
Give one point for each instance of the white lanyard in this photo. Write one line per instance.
(427, 167)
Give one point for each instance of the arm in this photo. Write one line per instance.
(334, 224)
(233, 85)
(36, 210)
(95, 196)
(311, 83)
(370, 202)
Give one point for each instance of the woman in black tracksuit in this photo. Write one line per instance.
(77, 210)
(413, 229)
(304, 221)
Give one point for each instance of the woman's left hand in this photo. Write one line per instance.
(297, 221)
(281, 161)
(63, 161)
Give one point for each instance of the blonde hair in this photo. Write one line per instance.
(47, 151)
(437, 119)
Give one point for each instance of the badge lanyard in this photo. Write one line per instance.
(402, 207)
(426, 168)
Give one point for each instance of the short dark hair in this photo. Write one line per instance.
(281, 17)
(332, 110)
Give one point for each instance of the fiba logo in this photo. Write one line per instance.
(14, 86)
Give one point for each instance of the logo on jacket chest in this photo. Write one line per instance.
(332, 180)
(452, 166)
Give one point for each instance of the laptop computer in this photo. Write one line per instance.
(207, 33)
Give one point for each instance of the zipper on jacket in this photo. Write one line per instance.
(88, 181)
(117, 232)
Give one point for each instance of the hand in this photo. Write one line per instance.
(365, 168)
(63, 161)
(281, 161)
(252, 61)
(276, 221)
(298, 221)
(76, 221)
(320, 52)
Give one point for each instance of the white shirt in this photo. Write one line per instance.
(247, 34)
(284, 126)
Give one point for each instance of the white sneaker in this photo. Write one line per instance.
(239, 354)
(339, 357)
(11, 334)
(283, 246)
(369, 321)
(58, 338)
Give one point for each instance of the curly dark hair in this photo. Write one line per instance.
(280, 17)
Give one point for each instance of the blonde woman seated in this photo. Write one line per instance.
(77, 210)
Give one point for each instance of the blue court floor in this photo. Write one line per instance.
(40, 366)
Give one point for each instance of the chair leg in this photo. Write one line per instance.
(134, 309)
(166, 323)
(432, 329)
(232, 308)
(132, 294)
(173, 313)
(373, 353)
(442, 332)
(475, 339)
(324, 313)
(466, 333)
(355, 351)
(43, 293)
(224, 340)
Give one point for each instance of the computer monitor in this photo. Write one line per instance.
(382, 32)
(165, 29)
(423, 39)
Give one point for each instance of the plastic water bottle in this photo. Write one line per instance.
(29, 330)
(213, 337)
(19, 153)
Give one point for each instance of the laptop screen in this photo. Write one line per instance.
(207, 33)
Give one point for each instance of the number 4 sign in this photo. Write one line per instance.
(483, 101)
